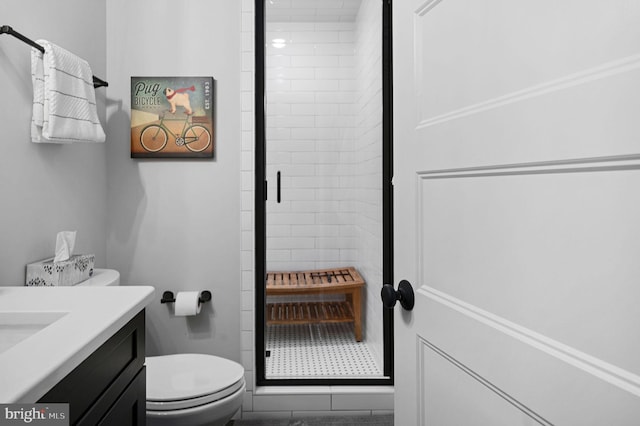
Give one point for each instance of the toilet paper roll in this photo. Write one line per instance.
(187, 303)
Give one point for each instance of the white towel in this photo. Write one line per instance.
(64, 100)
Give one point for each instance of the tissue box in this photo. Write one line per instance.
(65, 273)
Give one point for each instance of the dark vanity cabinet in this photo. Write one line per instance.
(109, 386)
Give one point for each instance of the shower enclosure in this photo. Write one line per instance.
(323, 206)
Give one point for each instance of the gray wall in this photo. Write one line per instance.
(174, 224)
(45, 188)
(167, 223)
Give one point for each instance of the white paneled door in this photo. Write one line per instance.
(517, 211)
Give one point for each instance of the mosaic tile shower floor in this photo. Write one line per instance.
(317, 351)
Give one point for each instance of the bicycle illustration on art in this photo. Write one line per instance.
(195, 137)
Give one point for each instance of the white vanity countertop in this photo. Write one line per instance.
(33, 366)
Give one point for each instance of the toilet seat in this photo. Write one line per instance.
(182, 381)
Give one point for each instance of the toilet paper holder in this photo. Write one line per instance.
(168, 297)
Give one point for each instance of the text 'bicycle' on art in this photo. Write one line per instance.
(172, 117)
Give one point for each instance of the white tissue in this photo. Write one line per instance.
(65, 242)
(187, 303)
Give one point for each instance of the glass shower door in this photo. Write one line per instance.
(324, 215)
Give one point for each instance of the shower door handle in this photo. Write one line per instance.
(278, 191)
(404, 294)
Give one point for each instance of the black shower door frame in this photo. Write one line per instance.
(261, 214)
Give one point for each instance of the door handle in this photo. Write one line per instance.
(278, 195)
(404, 294)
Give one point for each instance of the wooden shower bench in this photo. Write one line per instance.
(345, 281)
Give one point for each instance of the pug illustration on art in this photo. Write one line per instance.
(179, 97)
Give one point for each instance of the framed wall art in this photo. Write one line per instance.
(172, 117)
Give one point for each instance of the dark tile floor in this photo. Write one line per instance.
(386, 420)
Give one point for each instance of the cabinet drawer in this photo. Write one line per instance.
(130, 408)
(93, 387)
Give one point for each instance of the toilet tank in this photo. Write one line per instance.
(102, 277)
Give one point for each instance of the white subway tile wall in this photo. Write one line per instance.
(324, 132)
(306, 137)
(367, 180)
(247, 314)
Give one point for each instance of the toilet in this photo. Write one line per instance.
(186, 389)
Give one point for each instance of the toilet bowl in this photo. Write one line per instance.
(186, 389)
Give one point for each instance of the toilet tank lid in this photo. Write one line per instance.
(183, 376)
(102, 277)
